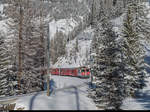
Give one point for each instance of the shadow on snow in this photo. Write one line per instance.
(143, 97)
(53, 87)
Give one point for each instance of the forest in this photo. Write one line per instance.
(111, 37)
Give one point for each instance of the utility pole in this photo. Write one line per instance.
(91, 63)
(92, 14)
(20, 48)
(48, 63)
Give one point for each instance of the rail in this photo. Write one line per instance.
(11, 99)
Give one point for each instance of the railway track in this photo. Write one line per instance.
(72, 86)
(12, 99)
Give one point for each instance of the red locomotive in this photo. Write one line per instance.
(83, 72)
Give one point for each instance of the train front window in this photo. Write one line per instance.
(82, 70)
(88, 70)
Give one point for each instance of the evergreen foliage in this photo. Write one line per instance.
(6, 83)
(134, 52)
(107, 67)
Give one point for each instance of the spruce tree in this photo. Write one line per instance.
(27, 30)
(141, 20)
(133, 52)
(6, 84)
(107, 67)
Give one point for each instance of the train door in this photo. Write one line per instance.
(57, 71)
(62, 72)
(79, 72)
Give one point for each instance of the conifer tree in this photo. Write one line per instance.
(27, 27)
(134, 54)
(107, 67)
(6, 82)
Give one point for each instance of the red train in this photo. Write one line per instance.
(82, 72)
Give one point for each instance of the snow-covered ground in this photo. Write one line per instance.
(74, 97)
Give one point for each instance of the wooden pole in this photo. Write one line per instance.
(48, 63)
(42, 60)
(20, 48)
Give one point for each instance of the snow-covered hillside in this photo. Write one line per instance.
(63, 25)
(73, 58)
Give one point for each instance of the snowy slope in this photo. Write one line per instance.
(74, 98)
(79, 58)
